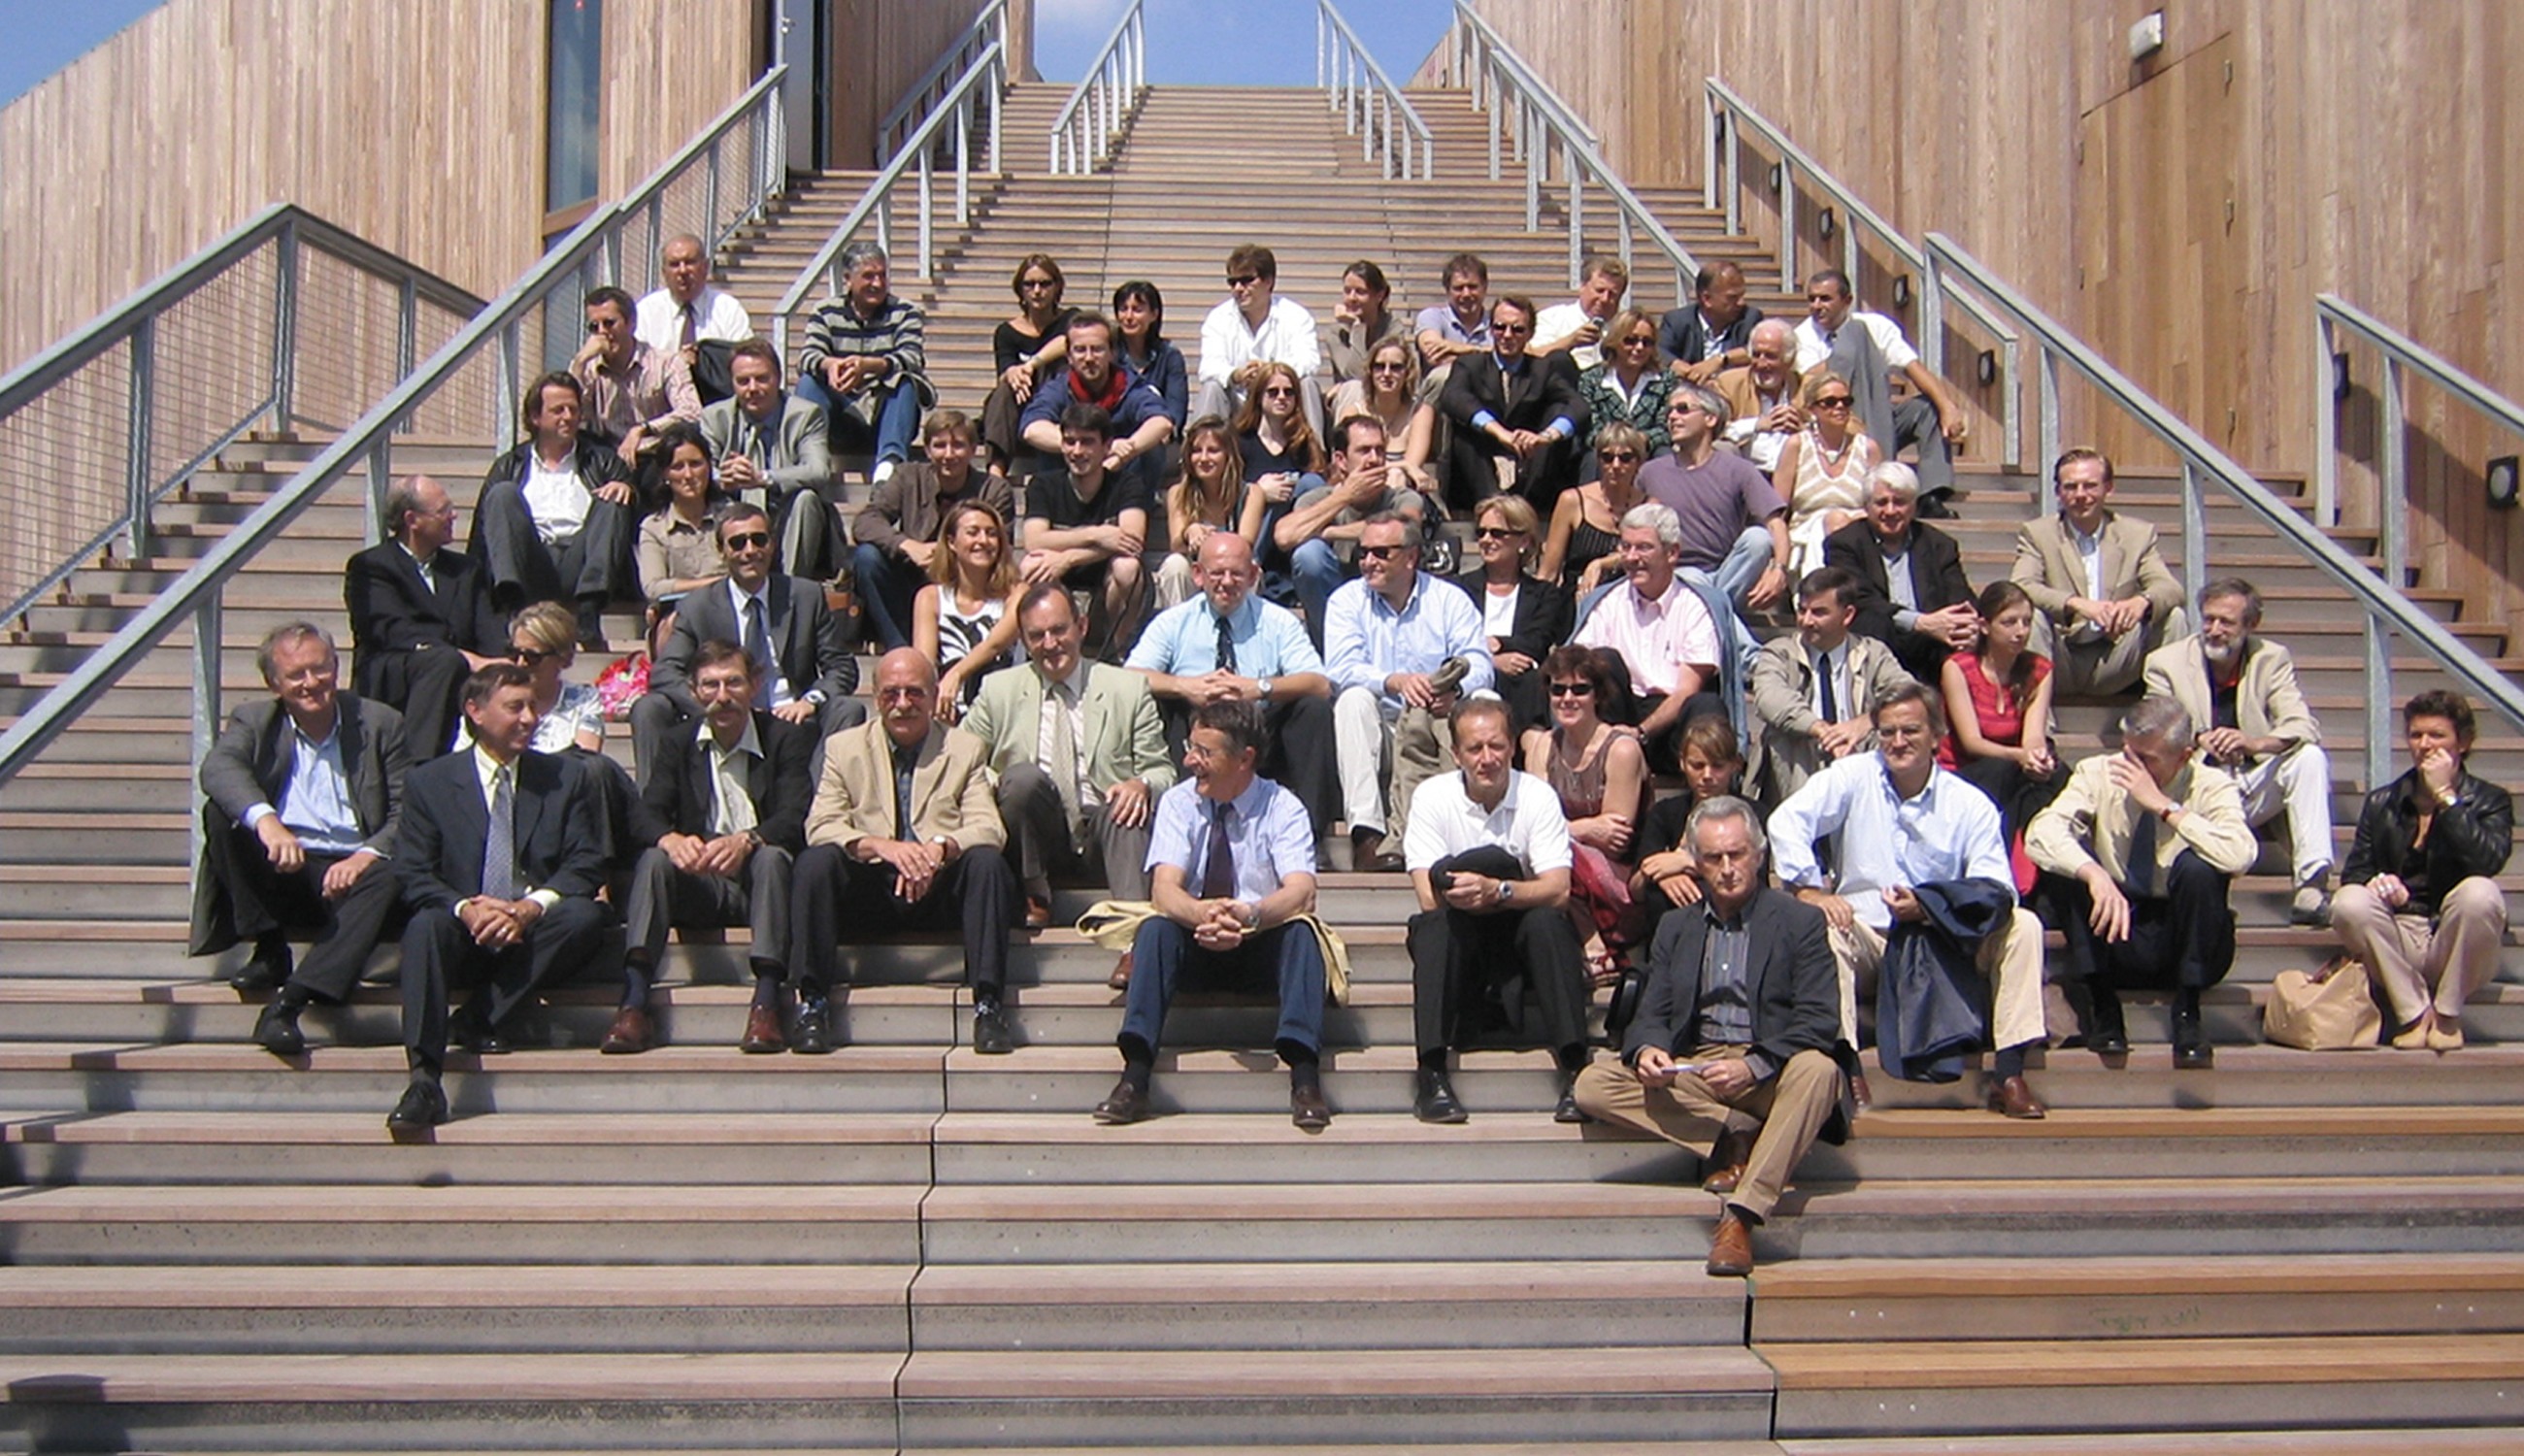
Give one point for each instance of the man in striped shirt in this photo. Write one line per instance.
(864, 363)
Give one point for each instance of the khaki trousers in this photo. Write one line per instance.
(2418, 962)
(1789, 1111)
(1371, 746)
(2012, 959)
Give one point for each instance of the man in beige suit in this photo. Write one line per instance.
(1815, 694)
(1761, 396)
(904, 835)
(2105, 598)
(2255, 728)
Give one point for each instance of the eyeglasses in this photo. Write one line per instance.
(1512, 330)
(1279, 392)
(1495, 533)
(1380, 553)
(1242, 280)
(1573, 690)
(1833, 402)
(1388, 366)
(745, 541)
(1644, 341)
(1618, 456)
(530, 656)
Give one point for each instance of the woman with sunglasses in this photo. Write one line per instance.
(678, 546)
(1211, 496)
(1631, 386)
(1583, 550)
(1998, 704)
(1824, 470)
(1601, 775)
(1282, 455)
(1139, 344)
(1023, 350)
(1522, 616)
(966, 620)
(1389, 389)
(544, 640)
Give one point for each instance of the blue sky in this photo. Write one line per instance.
(45, 35)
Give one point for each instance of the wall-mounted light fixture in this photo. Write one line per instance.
(1986, 368)
(1901, 291)
(2147, 37)
(1825, 221)
(2503, 482)
(1778, 178)
(2340, 376)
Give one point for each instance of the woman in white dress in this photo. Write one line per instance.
(1822, 471)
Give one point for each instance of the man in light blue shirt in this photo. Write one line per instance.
(1229, 645)
(1401, 645)
(1232, 869)
(1897, 822)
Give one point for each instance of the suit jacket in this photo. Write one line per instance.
(807, 639)
(1743, 397)
(1795, 989)
(1781, 686)
(1545, 390)
(800, 456)
(558, 839)
(678, 796)
(1679, 334)
(251, 764)
(950, 790)
(2091, 822)
(393, 611)
(1544, 613)
(1126, 738)
(1936, 565)
(2049, 569)
(2268, 703)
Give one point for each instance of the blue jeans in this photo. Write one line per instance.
(1288, 954)
(897, 414)
(886, 583)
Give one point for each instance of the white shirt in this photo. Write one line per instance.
(1948, 831)
(1558, 322)
(782, 695)
(1286, 336)
(732, 809)
(1498, 613)
(418, 564)
(1527, 823)
(555, 498)
(1812, 349)
(1759, 446)
(716, 315)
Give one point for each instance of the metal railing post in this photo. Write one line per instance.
(508, 381)
(2195, 532)
(2379, 701)
(1788, 279)
(143, 406)
(284, 329)
(2010, 411)
(208, 625)
(2049, 423)
(2326, 424)
(1932, 318)
(2393, 520)
(1735, 178)
(1577, 213)
(380, 477)
(998, 83)
(964, 163)
(926, 273)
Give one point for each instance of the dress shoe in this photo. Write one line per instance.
(1731, 1247)
(2311, 907)
(2106, 1035)
(762, 1031)
(2008, 1096)
(1368, 853)
(1860, 1095)
(1128, 1102)
(1569, 1111)
(1037, 913)
(1726, 1160)
(1120, 980)
(991, 1034)
(1432, 1097)
(1935, 507)
(1307, 1107)
(276, 1031)
(423, 1107)
(814, 1034)
(631, 1034)
(267, 971)
(2191, 1049)
(478, 1036)
(2444, 1033)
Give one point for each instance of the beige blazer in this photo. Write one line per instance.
(950, 792)
(2049, 569)
(2267, 701)
(2091, 821)
(1781, 688)
(1126, 739)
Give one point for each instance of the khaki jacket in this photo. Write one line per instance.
(951, 793)
(1784, 753)
(1126, 738)
(2091, 821)
(2049, 569)
(2267, 701)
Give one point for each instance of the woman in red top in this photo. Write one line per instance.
(1998, 702)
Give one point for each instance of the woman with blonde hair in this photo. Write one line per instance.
(1211, 496)
(1582, 552)
(966, 620)
(1823, 470)
(1523, 616)
(1631, 386)
(544, 638)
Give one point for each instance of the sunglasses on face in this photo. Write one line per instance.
(1039, 283)
(745, 541)
(530, 656)
(1242, 280)
(1512, 330)
(1380, 553)
(1573, 690)
(1642, 341)
(1833, 402)
(1618, 456)
(1388, 366)
(1280, 392)
(1495, 533)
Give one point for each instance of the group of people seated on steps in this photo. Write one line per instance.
(1872, 812)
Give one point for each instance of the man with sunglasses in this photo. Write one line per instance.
(1517, 416)
(633, 391)
(807, 672)
(1252, 327)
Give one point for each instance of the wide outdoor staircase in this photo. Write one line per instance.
(909, 1247)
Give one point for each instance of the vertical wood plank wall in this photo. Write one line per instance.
(2362, 147)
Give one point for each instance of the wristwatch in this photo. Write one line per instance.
(1262, 687)
(1506, 889)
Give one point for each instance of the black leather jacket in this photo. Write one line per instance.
(2472, 836)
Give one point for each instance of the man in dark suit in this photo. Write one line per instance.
(1715, 330)
(305, 797)
(1912, 594)
(805, 669)
(555, 520)
(1512, 409)
(420, 616)
(499, 858)
(1731, 1051)
(718, 828)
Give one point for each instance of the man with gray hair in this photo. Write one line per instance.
(694, 316)
(1760, 395)
(865, 363)
(2136, 854)
(421, 621)
(2255, 728)
(1912, 592)
(1657, 637)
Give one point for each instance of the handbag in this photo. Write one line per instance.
(2329, 1010)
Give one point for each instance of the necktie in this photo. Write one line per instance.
(2142, 856)
(1063, 765)
(904, 759)
(499, 847)
(1823, 678)
(758, 645)
(691, 327)
(1226, 647)
(1218, 871)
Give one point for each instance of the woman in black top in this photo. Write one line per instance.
(1024, 350)
(1522, 616)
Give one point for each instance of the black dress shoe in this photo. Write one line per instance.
(1935, 506)
(481, 1038)
(2193, 1054)
(991, 1034)
(423, 1107)
(813, 1035)
(2106, 1036)
(276, 1031)
(1307, 1107)
(267, 971)
(1569, 1111)
(1128, 1102)
(1432, 1097)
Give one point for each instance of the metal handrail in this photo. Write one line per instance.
(2331, 316)
(984, 81)
(132, 326)
(1492, 71)
(1083, 141)
(2387, 609)
(923, 95)
(1342, 63)
(765, 112)
(1726, 113)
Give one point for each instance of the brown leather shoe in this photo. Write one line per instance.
(2010, 1098)
(631, 1034)
(1127, 1103)
(763, 1033)
(1120, 980)
(1730, 1248)
(1858, 1096)
(1369, 854)
(1308, 1109)
(1038, 914)
(1726, 1165)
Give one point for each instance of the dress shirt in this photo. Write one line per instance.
(1831, 666)
(486, 769)
(1183, 641)
(315, 804)
(1657, 639)
(428, 578)
(2090, 552)
(1726, 1009)
(1368, 640)
(1270, 837)
(782, 693)
(1759, 446)
(1897, 584)
(1713, 338)
(1484, 418)
(658, 321)
(1950, 831)
(555, 498)
(653, 388)
(1814, 346)
(1067, 699)
(1441, 320)
(1558, 322)
(1527, 823)
(732, 809)
(1286, 336)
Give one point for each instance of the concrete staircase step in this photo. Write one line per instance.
(2207, 1441)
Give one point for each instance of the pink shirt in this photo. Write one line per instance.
(1656, 639)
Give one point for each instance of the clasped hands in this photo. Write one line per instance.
(1224, 924)
(720, 858)
(498, 924)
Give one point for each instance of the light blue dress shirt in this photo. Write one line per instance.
(1270, 837)
(1948, 831)
(315, 804)
(1367, 639)
(1183, 641)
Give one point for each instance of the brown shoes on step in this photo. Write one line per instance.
(1726, 1160)
(631, 1034)
(1730, 1248)
(2008, 1096)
